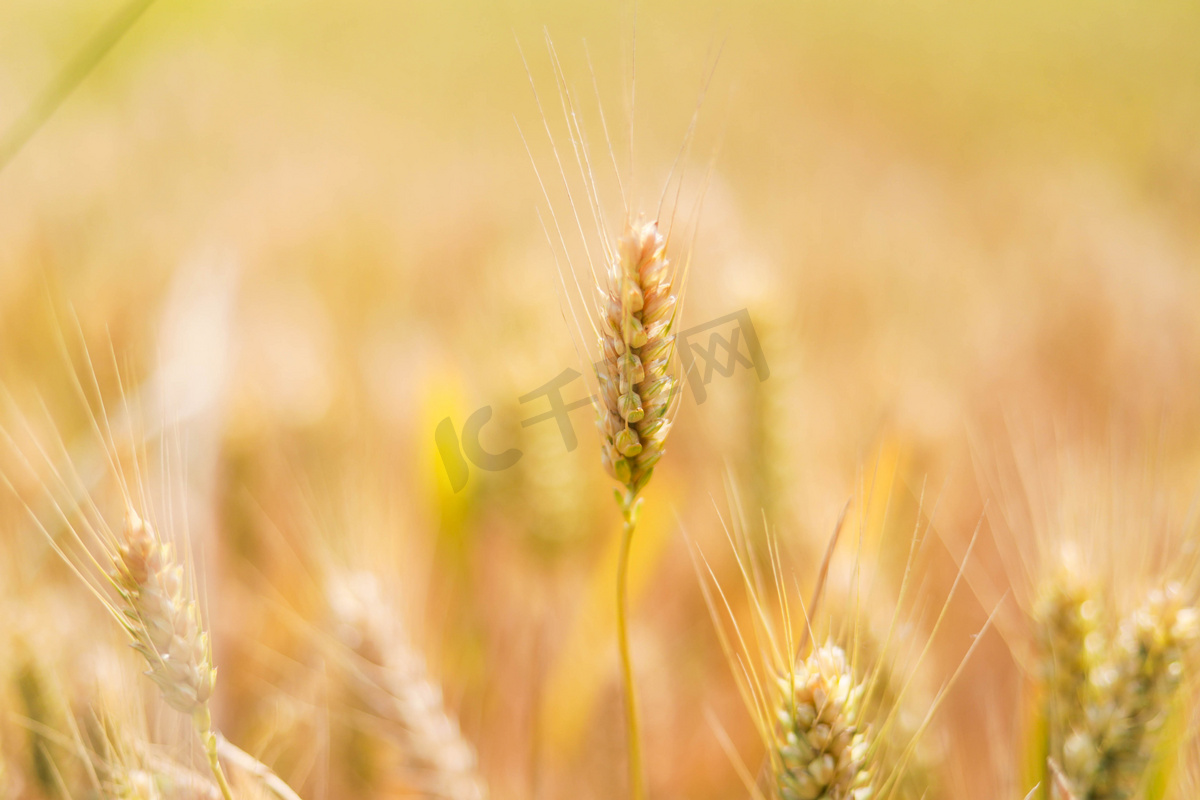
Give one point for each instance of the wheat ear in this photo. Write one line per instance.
(1072, 648)
(821, 749)
(390, 678)
(637, 313)
(163, 621)
(1137, 691)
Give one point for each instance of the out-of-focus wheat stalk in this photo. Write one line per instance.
(1068, 613)
(127, 768)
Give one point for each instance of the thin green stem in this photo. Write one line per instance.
(637, 784)
(204, 725)
(50, 98)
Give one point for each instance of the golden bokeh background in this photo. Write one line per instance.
(309, 232)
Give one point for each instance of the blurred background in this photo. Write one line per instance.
(311, 232)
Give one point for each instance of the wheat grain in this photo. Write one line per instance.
(1109, 697)
(160, 616)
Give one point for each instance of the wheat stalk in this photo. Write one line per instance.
(133, 571)
(637, 313)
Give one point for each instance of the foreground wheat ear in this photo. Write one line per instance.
(637, 312)
(821, 750)
(163, 620)
(637, 315)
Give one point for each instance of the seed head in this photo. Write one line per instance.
(1111, 697)
(637, 312)
(821, 745)
(1153, 651)
(162, 618)
(1072, 648)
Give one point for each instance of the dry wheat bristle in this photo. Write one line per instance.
(821, 747)
(896, 702)
(162, 618)
(391, 680)
(637, 312)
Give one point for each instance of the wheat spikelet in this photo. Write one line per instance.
(637, 311)
(162, 619)
(390, 679)
(821, 749)
(124, 763)
(1135, 693)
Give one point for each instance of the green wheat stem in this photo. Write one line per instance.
(204, 725)
(68, 79)
(637, 786)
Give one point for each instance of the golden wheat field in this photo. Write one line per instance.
(464, 400)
